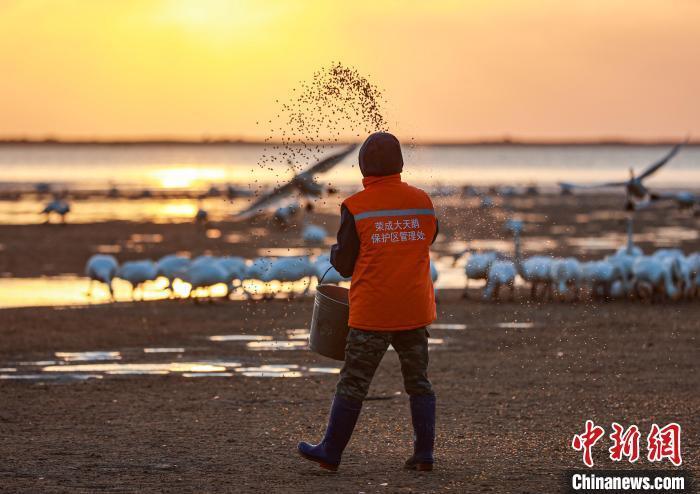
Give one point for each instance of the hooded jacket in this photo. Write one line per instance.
(383, 243)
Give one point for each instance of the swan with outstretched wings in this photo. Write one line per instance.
(303, 183)
(634, 186)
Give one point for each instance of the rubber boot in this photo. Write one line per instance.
(341, 423)
(423, 417)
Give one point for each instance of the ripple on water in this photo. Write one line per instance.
(87, 356)
(143, 368)
(298, 334)
(449, 326)
(164, 350)
(50, 377)
(516, 325)
(240, 337)
(278, 345)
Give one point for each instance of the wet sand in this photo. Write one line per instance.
(509, 398)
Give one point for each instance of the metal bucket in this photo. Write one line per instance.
(329, 321)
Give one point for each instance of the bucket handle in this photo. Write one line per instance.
(324, 274)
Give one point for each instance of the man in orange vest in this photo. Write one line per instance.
(384, 243)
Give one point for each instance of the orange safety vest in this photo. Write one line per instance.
(391, 286)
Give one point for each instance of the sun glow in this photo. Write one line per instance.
(187, 177)
(451, 69)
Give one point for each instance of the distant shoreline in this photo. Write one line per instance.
(446, 143)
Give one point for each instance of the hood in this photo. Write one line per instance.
(380, 155)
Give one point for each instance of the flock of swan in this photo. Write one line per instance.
(667, 274)
(204, 272)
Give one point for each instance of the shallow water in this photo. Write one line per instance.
(27, 210)
(448, 326)
(205, 368)
(515, 325)
(73, 291)
(198, 166)
(154, 361)
(277, 345)
(87, 356)
(240, 337)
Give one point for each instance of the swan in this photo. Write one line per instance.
(236, 269)
(630, 249)
(624, 259)
(257, 271)
(314, 235)
(634, 186)
(477, 267)
(501, 273)
(602, 275)
(58, 206)
(655, 278)
(291, 269)
(101, 268)
(486, 202)
(686, 270)
(169, 266)
(137, 273)
(324, 267)
(285, 214)
(205, 272)
(202, 215)
(534, 270)
(566, 274)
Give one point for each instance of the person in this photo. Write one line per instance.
(383, 243)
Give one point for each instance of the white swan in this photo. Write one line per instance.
(101, 268)
(169, 266)
(501, 273)
(602, 275)
(477, 267)
(567, 276)
(58, 206)
(686, 270)
(314, 235)
(205, 272)
(258, 269)
(236, 267)
(291, 269)
(656, 278)
(624, 259)
(137, 273)
(534, 270)
(285, 214)
(201, 217)
(630, 249)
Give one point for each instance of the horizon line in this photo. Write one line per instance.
(497, 141)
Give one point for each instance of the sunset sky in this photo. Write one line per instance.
(450, 70)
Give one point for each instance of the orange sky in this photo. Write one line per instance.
(450, 69)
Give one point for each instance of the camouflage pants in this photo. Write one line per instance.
(364, 351)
